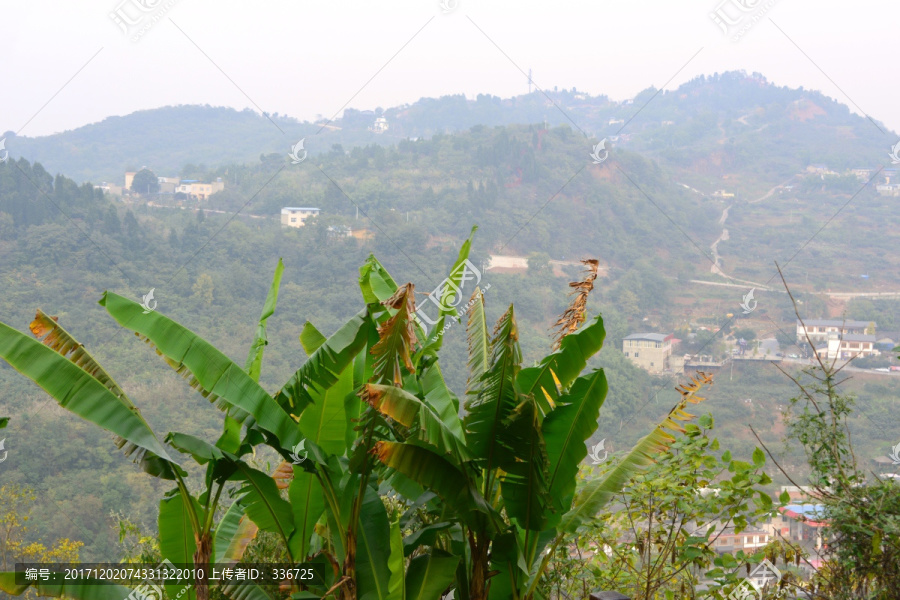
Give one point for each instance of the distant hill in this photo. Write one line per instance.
(734, 128)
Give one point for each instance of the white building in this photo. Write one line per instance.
(847, 346)
(380, 126)
(292, 216)
(819, 329)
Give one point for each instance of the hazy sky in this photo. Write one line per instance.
(305, 58)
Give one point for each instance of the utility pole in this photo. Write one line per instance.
(529, 80)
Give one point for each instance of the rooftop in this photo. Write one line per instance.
(653, 337)
(835, 323)
(858, 337)
(804, 512)
(303, 208)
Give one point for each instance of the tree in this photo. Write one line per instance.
(203, 289)
(145, 182)
(861, 556)
(661, 539)
(15, 510)
(748, 334)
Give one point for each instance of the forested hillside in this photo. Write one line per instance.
(732, 125)
(532, 191)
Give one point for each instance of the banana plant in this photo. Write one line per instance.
(61, 365)
(505, 473)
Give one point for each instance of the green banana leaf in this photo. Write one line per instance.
(254, 358)
(524, 482)
(208, 370)
(566, 430)
(263, 503)
(92, 399)
(414, 414)
(307, 503)
(176, 536)
(310, 338)
(373, 549)
(430, 574)
(375, 283)
(397, 564)
(556, 371)
(441, 399)
(507, 560)
(496, 399)
(439, 475)
(322, 369)
(233, 534)
(455, 286)
(479, 342)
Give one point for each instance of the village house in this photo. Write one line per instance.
(649, 351)
(199, 190)
(818, 329)
(847, 346)
(292, 216)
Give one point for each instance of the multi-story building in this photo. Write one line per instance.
(292, 216)
(199, 190)
(847, 346)
(819, 329)
(749, 540)
(649, 351)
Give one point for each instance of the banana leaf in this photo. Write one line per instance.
(99, 400)
(416, 415)
(524, 481)
(556, 371)
(430, 574)
(452, 290)
(253, 365)
(496, 399)
(322, 369)
(177, 543)
(233, 534)
(373, 548)
(207, 369)
(263, 503)
(478, 340)
(566, 430)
